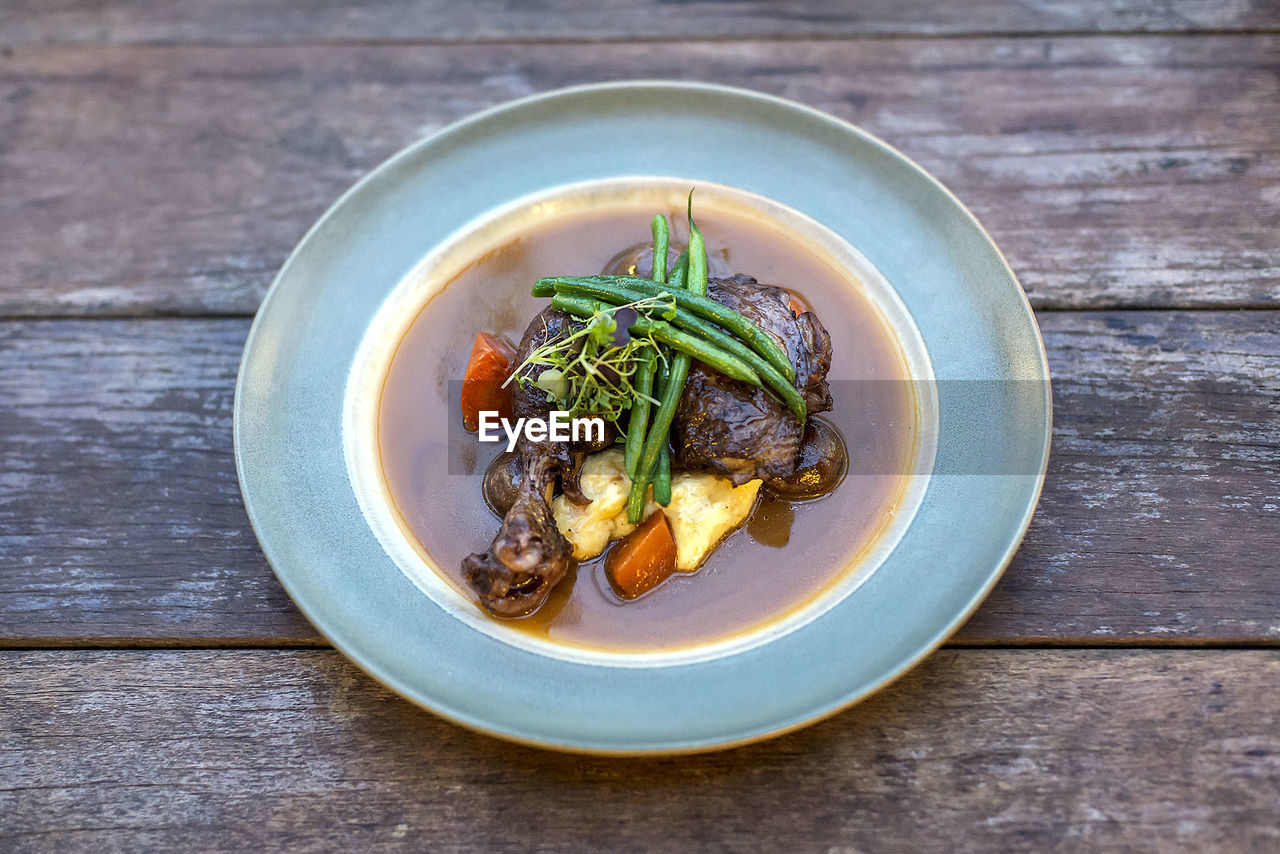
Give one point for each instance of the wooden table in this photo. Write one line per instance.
(1121, 687)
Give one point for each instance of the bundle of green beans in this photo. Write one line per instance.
(698, 328)
(751, 356)
(654, 462)
(648, 455)
(694, 311)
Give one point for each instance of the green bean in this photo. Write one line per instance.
(624, 295)
(657, 436)
(638, 425)
(725, 363)
(660, 240)
(576, 305)
(659, 330)
(697, 257)
(679, 270)
(611, 288)
(768, 376)
(687, 347)
(662, 472)
(660, 377)
(662, 477)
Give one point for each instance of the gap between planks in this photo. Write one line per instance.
(435, 22)
(579, 41)
(1131, 544)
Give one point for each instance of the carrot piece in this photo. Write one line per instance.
(487, 369)
(643, 559)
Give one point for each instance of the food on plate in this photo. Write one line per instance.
(723, 398)
(644, 559)
(484, 384)
(713, 379)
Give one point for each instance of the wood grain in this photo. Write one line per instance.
(976, 750)
(1115, 172)
(244, 21)
(1160, 516)
(120, 515)
(120, 518)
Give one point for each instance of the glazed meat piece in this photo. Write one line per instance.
(529, 555)
(548, 325)
(734, 428)
(822, 464)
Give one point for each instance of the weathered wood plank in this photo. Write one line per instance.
(120, 516)
(976, 750)
(1113, 171)
(246, 22)
(1161, 505)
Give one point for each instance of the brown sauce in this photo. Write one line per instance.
(785, 556)
(771, 521)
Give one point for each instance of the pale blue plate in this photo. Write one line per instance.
(992, 435)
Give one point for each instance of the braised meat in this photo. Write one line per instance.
(822, 464)
(734, 428)
(529, 555)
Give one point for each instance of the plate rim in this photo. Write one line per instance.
(843, 702)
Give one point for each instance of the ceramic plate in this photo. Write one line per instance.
(312, 365)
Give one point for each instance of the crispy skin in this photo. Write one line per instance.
(529, 556)
(734, 428)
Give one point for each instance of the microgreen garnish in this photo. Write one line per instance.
(584, 372)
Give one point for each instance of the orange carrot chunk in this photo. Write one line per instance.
(643, 559)
(487, 369)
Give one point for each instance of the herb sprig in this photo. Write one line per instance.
(585, 373)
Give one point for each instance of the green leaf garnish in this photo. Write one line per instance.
(586, 373)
